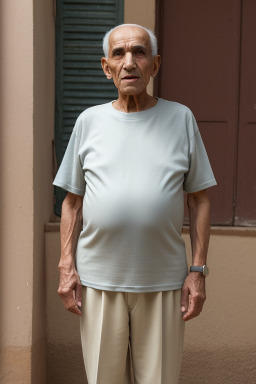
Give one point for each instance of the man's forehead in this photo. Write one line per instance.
(123, 35)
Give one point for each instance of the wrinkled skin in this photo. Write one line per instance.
(193, 291)
(70, 288)
(130, 64)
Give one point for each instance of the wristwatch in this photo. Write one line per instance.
(204, 269)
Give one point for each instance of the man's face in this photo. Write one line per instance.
(130, 62)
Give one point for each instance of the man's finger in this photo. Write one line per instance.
(78, 294)
(71, 305)
(195, 307)
(184, 299)
(68, 300)
(74, 309)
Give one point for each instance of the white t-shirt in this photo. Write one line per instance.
(131, 169)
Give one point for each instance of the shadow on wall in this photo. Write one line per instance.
(65, 364)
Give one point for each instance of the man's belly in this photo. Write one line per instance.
(126, 208)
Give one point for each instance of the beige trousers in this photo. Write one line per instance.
(132, 337)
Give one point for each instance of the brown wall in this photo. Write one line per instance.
(27, 105)
(220, 343)
(16, 185)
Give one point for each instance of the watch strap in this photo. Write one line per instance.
(196, 269)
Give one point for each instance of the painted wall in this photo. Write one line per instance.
(16, 190)
(26, 117)
(220, 343)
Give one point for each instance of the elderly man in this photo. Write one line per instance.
(125, 271)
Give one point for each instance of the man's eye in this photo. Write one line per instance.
(140, 52)
(118, 53)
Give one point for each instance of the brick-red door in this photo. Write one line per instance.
(208, 63)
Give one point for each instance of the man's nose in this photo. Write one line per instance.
(129, 62)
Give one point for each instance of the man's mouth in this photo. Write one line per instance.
(130, 77)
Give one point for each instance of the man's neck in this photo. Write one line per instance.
(134, 103)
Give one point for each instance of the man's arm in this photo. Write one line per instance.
(193, 291)
(70, 288)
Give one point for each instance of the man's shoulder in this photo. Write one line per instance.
(174, 106)
(93, 111)
(86, 120)
(182, 115)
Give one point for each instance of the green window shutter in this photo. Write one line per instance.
(80, 81)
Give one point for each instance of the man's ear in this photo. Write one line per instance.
(156, 65)
(105, 67)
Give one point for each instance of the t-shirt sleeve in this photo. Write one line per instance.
(200, 175)
(70, 175)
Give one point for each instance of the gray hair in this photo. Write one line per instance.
(152, 37)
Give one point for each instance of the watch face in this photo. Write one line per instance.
(206, 270)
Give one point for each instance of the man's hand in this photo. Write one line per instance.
(193, 295)
(70, 289)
